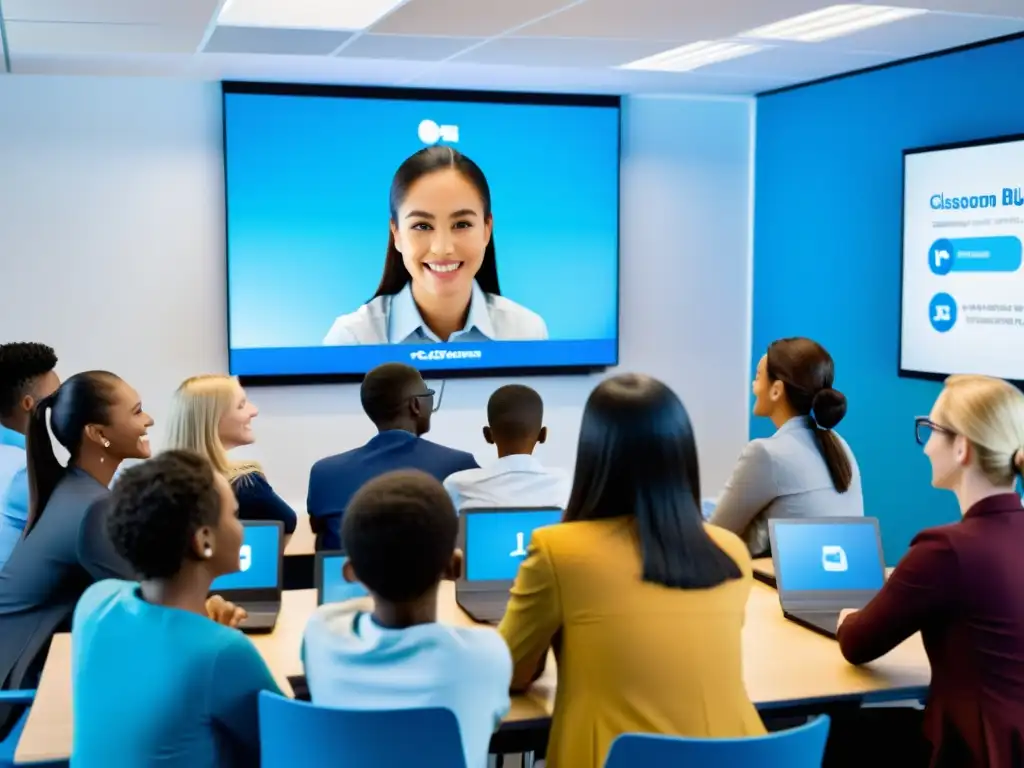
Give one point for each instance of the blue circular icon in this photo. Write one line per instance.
(940, 257)
(942, 312)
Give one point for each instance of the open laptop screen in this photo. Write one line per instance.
(828, 556)
(259, 560)
(331, 586)
(496, 541)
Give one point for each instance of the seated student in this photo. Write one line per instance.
(158, 678)
(398, 402)
(211, 415)
(805, 469)
(642, 600)
(960, 585)
(390, 652)
(515, 417)
(26, 377)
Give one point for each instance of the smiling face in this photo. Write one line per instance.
(442, 234)
(128, 427)
(235, 427)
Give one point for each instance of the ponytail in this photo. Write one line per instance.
(44, 471)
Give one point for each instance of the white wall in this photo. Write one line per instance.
(112, 251)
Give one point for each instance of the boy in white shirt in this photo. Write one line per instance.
(515, 426)
(389, 652)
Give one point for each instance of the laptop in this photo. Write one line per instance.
(331, 586)
(494, 542)
(823, 565)
(256, 586)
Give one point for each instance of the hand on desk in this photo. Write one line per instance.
(845, 614)
(223, 612)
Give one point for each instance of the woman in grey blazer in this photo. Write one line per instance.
(805, 469)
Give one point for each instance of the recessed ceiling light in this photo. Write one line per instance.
(834, 21)
(693, 56)
(306, 14)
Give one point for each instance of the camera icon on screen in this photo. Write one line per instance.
(245, 558)
(431, 132)
(833, 558)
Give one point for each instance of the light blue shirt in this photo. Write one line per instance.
(13, 491)
(158, 687)
(511, 481)
(397, 320)
(352, 663)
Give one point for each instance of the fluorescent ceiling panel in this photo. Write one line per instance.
(306, 14)
(693, 56)
(831, 22)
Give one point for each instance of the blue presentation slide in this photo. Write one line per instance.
(334, 587)
(496, 541)
(258, 561)
(829, 556)
(963, 288)
(308, 180)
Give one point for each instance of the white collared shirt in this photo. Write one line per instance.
(397, 320)
(511, 481)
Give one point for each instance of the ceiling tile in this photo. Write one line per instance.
(929, 32)
(112, 11)
(563, 52)
(683, 20)
(989, 7)
(465, 18)
(66, 38)
(408, 47)
(266, 40)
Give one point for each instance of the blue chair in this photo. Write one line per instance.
(295, 734)
(802, 747)
(10, 743)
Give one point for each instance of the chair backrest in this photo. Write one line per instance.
(802, 747)
(295, 734)
(10, 742)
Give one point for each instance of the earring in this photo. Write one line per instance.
(106, 443)
(208, 552)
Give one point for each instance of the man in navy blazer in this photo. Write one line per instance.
(398, 402)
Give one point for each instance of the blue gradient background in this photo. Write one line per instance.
(491, 536)
(800, 557)
(307, 188)
(334, 588)
(265, 541)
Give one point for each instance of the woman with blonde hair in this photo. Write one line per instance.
(211, 415)
(960, 585)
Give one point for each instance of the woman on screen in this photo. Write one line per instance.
(440, 280)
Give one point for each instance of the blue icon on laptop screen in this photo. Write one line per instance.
(334, 588)
(258, 561)
(828, 556)
(496, 542)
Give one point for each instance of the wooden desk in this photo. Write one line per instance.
(303, 541)
(783, 664)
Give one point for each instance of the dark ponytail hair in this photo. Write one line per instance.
(637, 456)
(807, 373)
(83, 399)
(429, 160)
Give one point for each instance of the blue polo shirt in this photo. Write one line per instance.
(13, 491)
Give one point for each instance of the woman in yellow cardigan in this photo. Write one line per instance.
(643, 601)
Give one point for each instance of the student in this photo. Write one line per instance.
(440, 280)
(211, 415)
(515, 425)
(805, 469)
(26, 377)
(399, 404)
(391, 653)
(161, 677)
(960, 585)
(643, 602)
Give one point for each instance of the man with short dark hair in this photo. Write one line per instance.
(26, 377)
(399, 403)
(399, 532)
(515, 426)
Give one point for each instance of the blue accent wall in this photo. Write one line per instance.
(827, 234)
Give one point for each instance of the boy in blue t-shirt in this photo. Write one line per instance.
(399, 532)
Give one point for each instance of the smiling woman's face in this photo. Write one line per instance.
(442, 233)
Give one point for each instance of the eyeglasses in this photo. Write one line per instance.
(923, 428)
(430, 393)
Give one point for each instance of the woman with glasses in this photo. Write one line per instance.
(961, 585)
(399, 403)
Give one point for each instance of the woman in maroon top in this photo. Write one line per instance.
(962, 585)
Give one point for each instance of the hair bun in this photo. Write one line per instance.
(828, 408)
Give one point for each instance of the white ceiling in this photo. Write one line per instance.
(506, 44)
